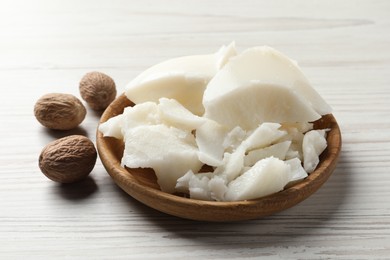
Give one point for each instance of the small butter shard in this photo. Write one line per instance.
(203, 186)
(199, 188)
(176, 115)
(314, 143)
(295, 133)
(264, 135)
(278, 150)
(112, 127)
(267, 176)
(234, 138)
(297, 172)
(232, 165)
(209, 138)
(218, 188)
(142, 114)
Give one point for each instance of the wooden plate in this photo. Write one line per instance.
(141, 183)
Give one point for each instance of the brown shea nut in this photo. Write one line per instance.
(98, 90)
(59, 111)
(69, 159)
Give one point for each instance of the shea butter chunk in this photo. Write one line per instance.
(210, 138)
(267, 176)
(278, 150)
(314, 143)
(183, 79)
(113, 127)
(297, 172)
(158, 147)
(261, 85)
(176, 115)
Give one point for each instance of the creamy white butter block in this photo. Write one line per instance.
(183, 79)
(262, 85)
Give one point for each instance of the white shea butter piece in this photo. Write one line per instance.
(297, 172)
(199, 188)
(172, 113)
(278, 150)
(218, 188)
(205, 186)
(234, 138)
(232, 165)
(240, 101)
(183, 79)
(142, 114)
(264, 135)
(267, 176)
(209, 138)
(314, 143)
(257, 102)
(112, 127)
(157, 147)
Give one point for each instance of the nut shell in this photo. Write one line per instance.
(97, 89)
(69, 159)
(59, 111)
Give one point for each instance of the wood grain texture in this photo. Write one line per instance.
(47, 46)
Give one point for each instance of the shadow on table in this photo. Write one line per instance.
(301, 221)
(56, 134)
(77, 191)
(95, 113)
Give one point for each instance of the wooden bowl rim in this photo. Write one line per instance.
(251, 209)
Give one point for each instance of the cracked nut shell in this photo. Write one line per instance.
(59, 111)
(69, 159)
(98, 90)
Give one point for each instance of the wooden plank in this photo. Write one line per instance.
(47, 46)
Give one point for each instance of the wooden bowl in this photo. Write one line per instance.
(141, 184)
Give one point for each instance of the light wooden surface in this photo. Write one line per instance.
(47, 46)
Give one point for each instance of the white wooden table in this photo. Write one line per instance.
(47, 46)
